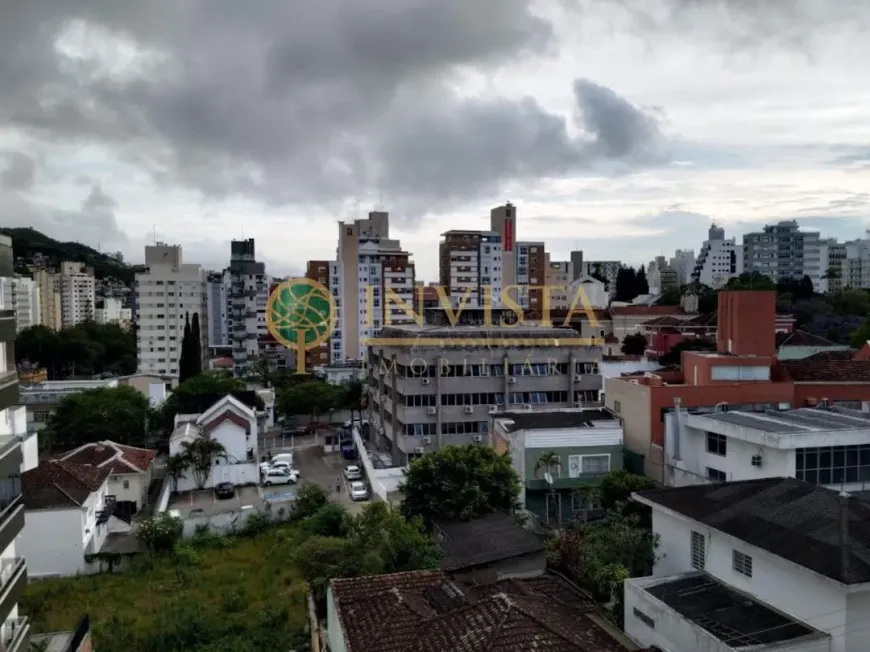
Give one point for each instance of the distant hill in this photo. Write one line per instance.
(28, 243)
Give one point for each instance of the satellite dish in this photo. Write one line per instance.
(548, 478)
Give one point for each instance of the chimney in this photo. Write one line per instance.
(844, 535)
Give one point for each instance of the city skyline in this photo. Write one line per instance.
(625, 132)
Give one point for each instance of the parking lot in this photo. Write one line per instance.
(211, 505)
(325, 470)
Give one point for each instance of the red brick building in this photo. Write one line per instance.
(742, 374)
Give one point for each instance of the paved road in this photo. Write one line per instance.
(325, 471)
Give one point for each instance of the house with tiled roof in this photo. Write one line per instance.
(772, 564)
(233, 424)
(130, 470)
(67, 516)
(429, 611)
(630, 319)
(799, 345)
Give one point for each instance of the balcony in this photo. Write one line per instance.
(13, 581)
(15, 635)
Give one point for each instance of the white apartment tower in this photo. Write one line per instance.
(719, 260)
(782, 251)
(168, 292)
(77, 293)
(683, 263)
(366, 258)
(248, 295)
(470, 267)
(25, 300)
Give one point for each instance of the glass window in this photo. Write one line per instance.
(717, 444)
(699, 555)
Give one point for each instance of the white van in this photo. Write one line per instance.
(283, 457)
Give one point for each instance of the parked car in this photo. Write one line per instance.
(280, 476)
(353, 472)
(225, 490)
(358, 491)
(282, 457)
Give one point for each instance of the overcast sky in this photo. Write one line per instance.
(618, 127)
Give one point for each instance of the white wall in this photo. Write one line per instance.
(234, 440)
(238, 474)
(675, 633)
(334, 631)
(135, 489)
(383, 482)
(790, 588)
(52, 542)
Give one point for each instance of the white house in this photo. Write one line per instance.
(67, 515)
(593, 291)
(130, 469)
(819, 446)
(234, 425)
(770, 564)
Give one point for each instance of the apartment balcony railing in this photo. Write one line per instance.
(9, 568)
(15, 635)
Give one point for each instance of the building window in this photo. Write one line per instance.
(642, 617)
(716, 475)
(588, 464)
(833, 464)
(699, 553)
(126, 484)
(741, 563)
(617, 407)
(717, 444)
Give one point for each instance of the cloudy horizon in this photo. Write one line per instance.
(620, 131)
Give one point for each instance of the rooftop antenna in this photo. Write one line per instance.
(154, 229)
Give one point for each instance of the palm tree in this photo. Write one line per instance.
(176, 466)
(553, 465)
(201, 454)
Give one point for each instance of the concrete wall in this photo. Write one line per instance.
(52, 542)
(238, 474)
(230, 522)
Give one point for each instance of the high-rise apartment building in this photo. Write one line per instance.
(558, 278)
(720, 259)
(77, 293)
(166, 294)
(248, 295)
(683, 263)
(470, 267)
(25, 299)
(855, 266)
(219, 323)
(833, 255)
(369, 266)
(503, 221)
(50, 312)
(531, 272)
(14, 629)
(319, 270)
(783, 252)
(577, 267)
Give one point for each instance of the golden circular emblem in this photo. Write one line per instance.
(301, 314)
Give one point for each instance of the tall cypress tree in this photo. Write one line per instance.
(196, 349)
(184, 361)
(641, 285)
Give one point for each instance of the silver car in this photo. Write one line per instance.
(353, 472)
(358, 491)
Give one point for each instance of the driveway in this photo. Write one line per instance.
(325, 470)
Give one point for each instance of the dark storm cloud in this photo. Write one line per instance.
(294, 101)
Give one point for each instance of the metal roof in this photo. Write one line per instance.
(802, 420)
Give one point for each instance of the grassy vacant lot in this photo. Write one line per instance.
(232, 595)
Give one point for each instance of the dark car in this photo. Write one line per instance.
(225, 490)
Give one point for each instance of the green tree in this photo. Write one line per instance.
(201, 454)
(352, 396)
(860, 336)
(330, 520)
(670, 297)
(196, 346)
(634, 344)
(84, 350)
(320, 559)
(119, 414)
(160, 533)
(641, 286)
(615, 491)
(309, 499)
(403, 544)
(459, 483)
(750, 281)
(176, 466)
(185, 358)
(313, 398)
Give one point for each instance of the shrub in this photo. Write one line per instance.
(160, 533)
(309, 499)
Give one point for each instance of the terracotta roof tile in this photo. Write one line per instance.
(841, 354)
(426, 612)
(663, 321)
(117, 458)
(827, 371)
(226, 415)
(59, 484)
(643, 311)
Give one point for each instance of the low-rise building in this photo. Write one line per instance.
(41, 399)
(557, 455)
(798, 345)
(429, 610)
(769, 564)
(130, 471)
(67, 514)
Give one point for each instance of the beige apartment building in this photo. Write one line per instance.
(77, 293)
(50, 312)
(434, 394)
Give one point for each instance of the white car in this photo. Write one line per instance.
(353, 472)
(279, 476)
(358, 491)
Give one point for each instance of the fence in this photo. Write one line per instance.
(230, 522)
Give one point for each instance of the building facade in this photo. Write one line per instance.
(604, 270)
(112, 311)
(248, 294)
(14, 629)
(470, 267)
(443, 392)
(558, 278)
(719, 260)
(77, 293)
(782, 252)
(855, 264)
(218, 300)
(25, 297)
(166, 294)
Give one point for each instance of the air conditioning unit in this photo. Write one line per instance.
(468, 409)
(419, 450)
(527, 406)
(493, 409)
(431, 410)
(757, 460)
(425, 381)
(426, 440)
(478, 439)
(512, 380)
